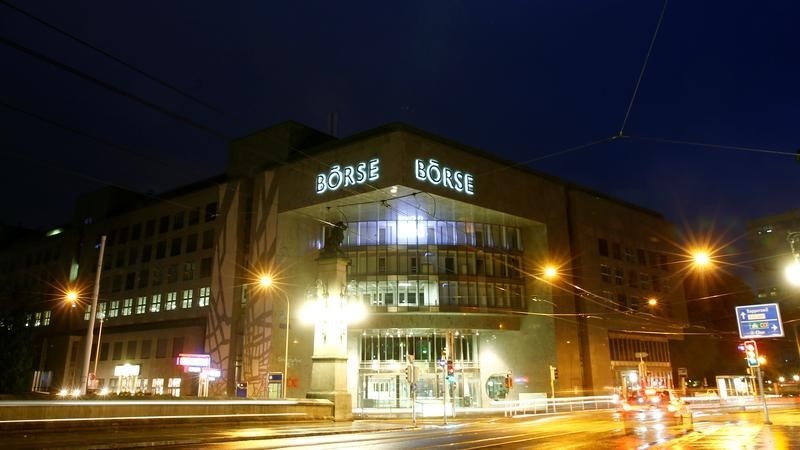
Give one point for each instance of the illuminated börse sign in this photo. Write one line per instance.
(194, 360)
(424, 170)
(434, 173)
(339, 176)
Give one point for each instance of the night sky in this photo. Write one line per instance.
(522, 80)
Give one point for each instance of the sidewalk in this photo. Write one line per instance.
(745, 430)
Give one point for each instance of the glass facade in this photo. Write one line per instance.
(382, 382)
(409, 264)
(436, 265)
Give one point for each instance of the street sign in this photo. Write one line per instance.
(759, 321)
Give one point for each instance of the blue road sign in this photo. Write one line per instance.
(759, 321)
(275, 377)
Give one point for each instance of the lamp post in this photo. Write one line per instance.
(266, 282)
(792, 271)
(101, 315)
(87, 350)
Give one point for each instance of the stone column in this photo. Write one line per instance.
(329, 359)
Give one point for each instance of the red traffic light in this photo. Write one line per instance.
(751, 353)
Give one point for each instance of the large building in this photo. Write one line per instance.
(445, 248)
(771, 253)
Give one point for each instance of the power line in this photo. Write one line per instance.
(112, 88)
(644, 67)
(706, 144)
(119, 60)
(99, 140)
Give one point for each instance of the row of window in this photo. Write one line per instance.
(143, 386)
(147, 252)
(38, 319)
(414, 293)
(626, 349)
(156, 275)
(133, 351)
(464, 262)
(153, 304)
(632, 256)
(386, 346)
(625, 303)
(41, 257)
(413, 231)
(133, 233)
(639, 280)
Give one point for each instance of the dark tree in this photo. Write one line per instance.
(16, 353)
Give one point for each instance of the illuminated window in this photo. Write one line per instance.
(172, 301)
(141, 305)
(158, 386)
(205, 295)
(127, 306)
(37, 319)
(114, 311)
(175, 387)
(155, 304)
(46, 318)
(187, 299)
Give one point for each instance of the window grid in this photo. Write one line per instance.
(172, 301)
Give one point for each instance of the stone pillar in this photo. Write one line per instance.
(329, 359)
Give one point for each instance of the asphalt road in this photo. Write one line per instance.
(586, 430)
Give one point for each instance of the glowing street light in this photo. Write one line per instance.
(266, 282)
(652, 301)
(701, 259)
(792, 273)
(71, 297)
(550, 272)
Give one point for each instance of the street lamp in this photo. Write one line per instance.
(87, 350)
(71, 297)
(266, 282)
(100, 315)
(701, 259)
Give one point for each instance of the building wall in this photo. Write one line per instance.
(623, 256)
(270, 219)
(156, 281)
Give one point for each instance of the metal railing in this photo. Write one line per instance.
(537, 405)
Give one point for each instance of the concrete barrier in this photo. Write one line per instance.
(66, 413)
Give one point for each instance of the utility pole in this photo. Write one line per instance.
(87, 350)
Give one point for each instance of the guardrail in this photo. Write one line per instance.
(541, 404)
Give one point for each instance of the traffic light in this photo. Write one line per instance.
(409, 371)
(509, 382)
(451, 371)
(553, 373)
(751, 353)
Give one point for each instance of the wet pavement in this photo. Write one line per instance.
(743, 430)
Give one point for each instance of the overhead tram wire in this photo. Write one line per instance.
(641, 73)
(99, 140)
(110, 87)
(719, 146)
(119, 91)
(118, 60)
(57, 168)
